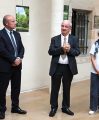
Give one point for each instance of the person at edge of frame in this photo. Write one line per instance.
(11, 55)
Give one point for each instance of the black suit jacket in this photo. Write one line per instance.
(55, 50)
(7, 51)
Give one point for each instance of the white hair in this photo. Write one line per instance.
(67, 22)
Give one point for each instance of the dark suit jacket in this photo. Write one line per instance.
(7, 51)
(56, 50)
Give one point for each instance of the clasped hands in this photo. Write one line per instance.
(17, 61)
(66, 47)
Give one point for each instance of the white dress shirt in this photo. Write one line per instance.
(65, 60)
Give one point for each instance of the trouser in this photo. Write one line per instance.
(94, 92)
(63, 73)
(15, 77)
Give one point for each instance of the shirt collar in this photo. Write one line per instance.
(8, 31)
(64, 36)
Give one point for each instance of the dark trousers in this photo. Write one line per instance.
(94, 92)
(62, 73)
(15, 77)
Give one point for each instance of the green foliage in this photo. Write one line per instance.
(22, 21)
(66, 12)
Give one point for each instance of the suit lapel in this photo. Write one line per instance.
(6, 37)
(58, 41)
(69, 39)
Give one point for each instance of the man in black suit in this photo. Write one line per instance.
(11, 55)
(63, 49)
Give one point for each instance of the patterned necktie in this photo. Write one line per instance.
(14, 44)
(64, 40)
(64, 56)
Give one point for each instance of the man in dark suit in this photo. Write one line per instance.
(63, 49)
(11, 55)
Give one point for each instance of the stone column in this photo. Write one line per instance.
(56, 19)
(57, 16)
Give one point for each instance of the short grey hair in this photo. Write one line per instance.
(5, 20)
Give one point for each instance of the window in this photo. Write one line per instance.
(80, 28)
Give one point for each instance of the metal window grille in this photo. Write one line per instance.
(80, 29)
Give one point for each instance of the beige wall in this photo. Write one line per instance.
(36, 41)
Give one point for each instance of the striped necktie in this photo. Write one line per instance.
(14, 44)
